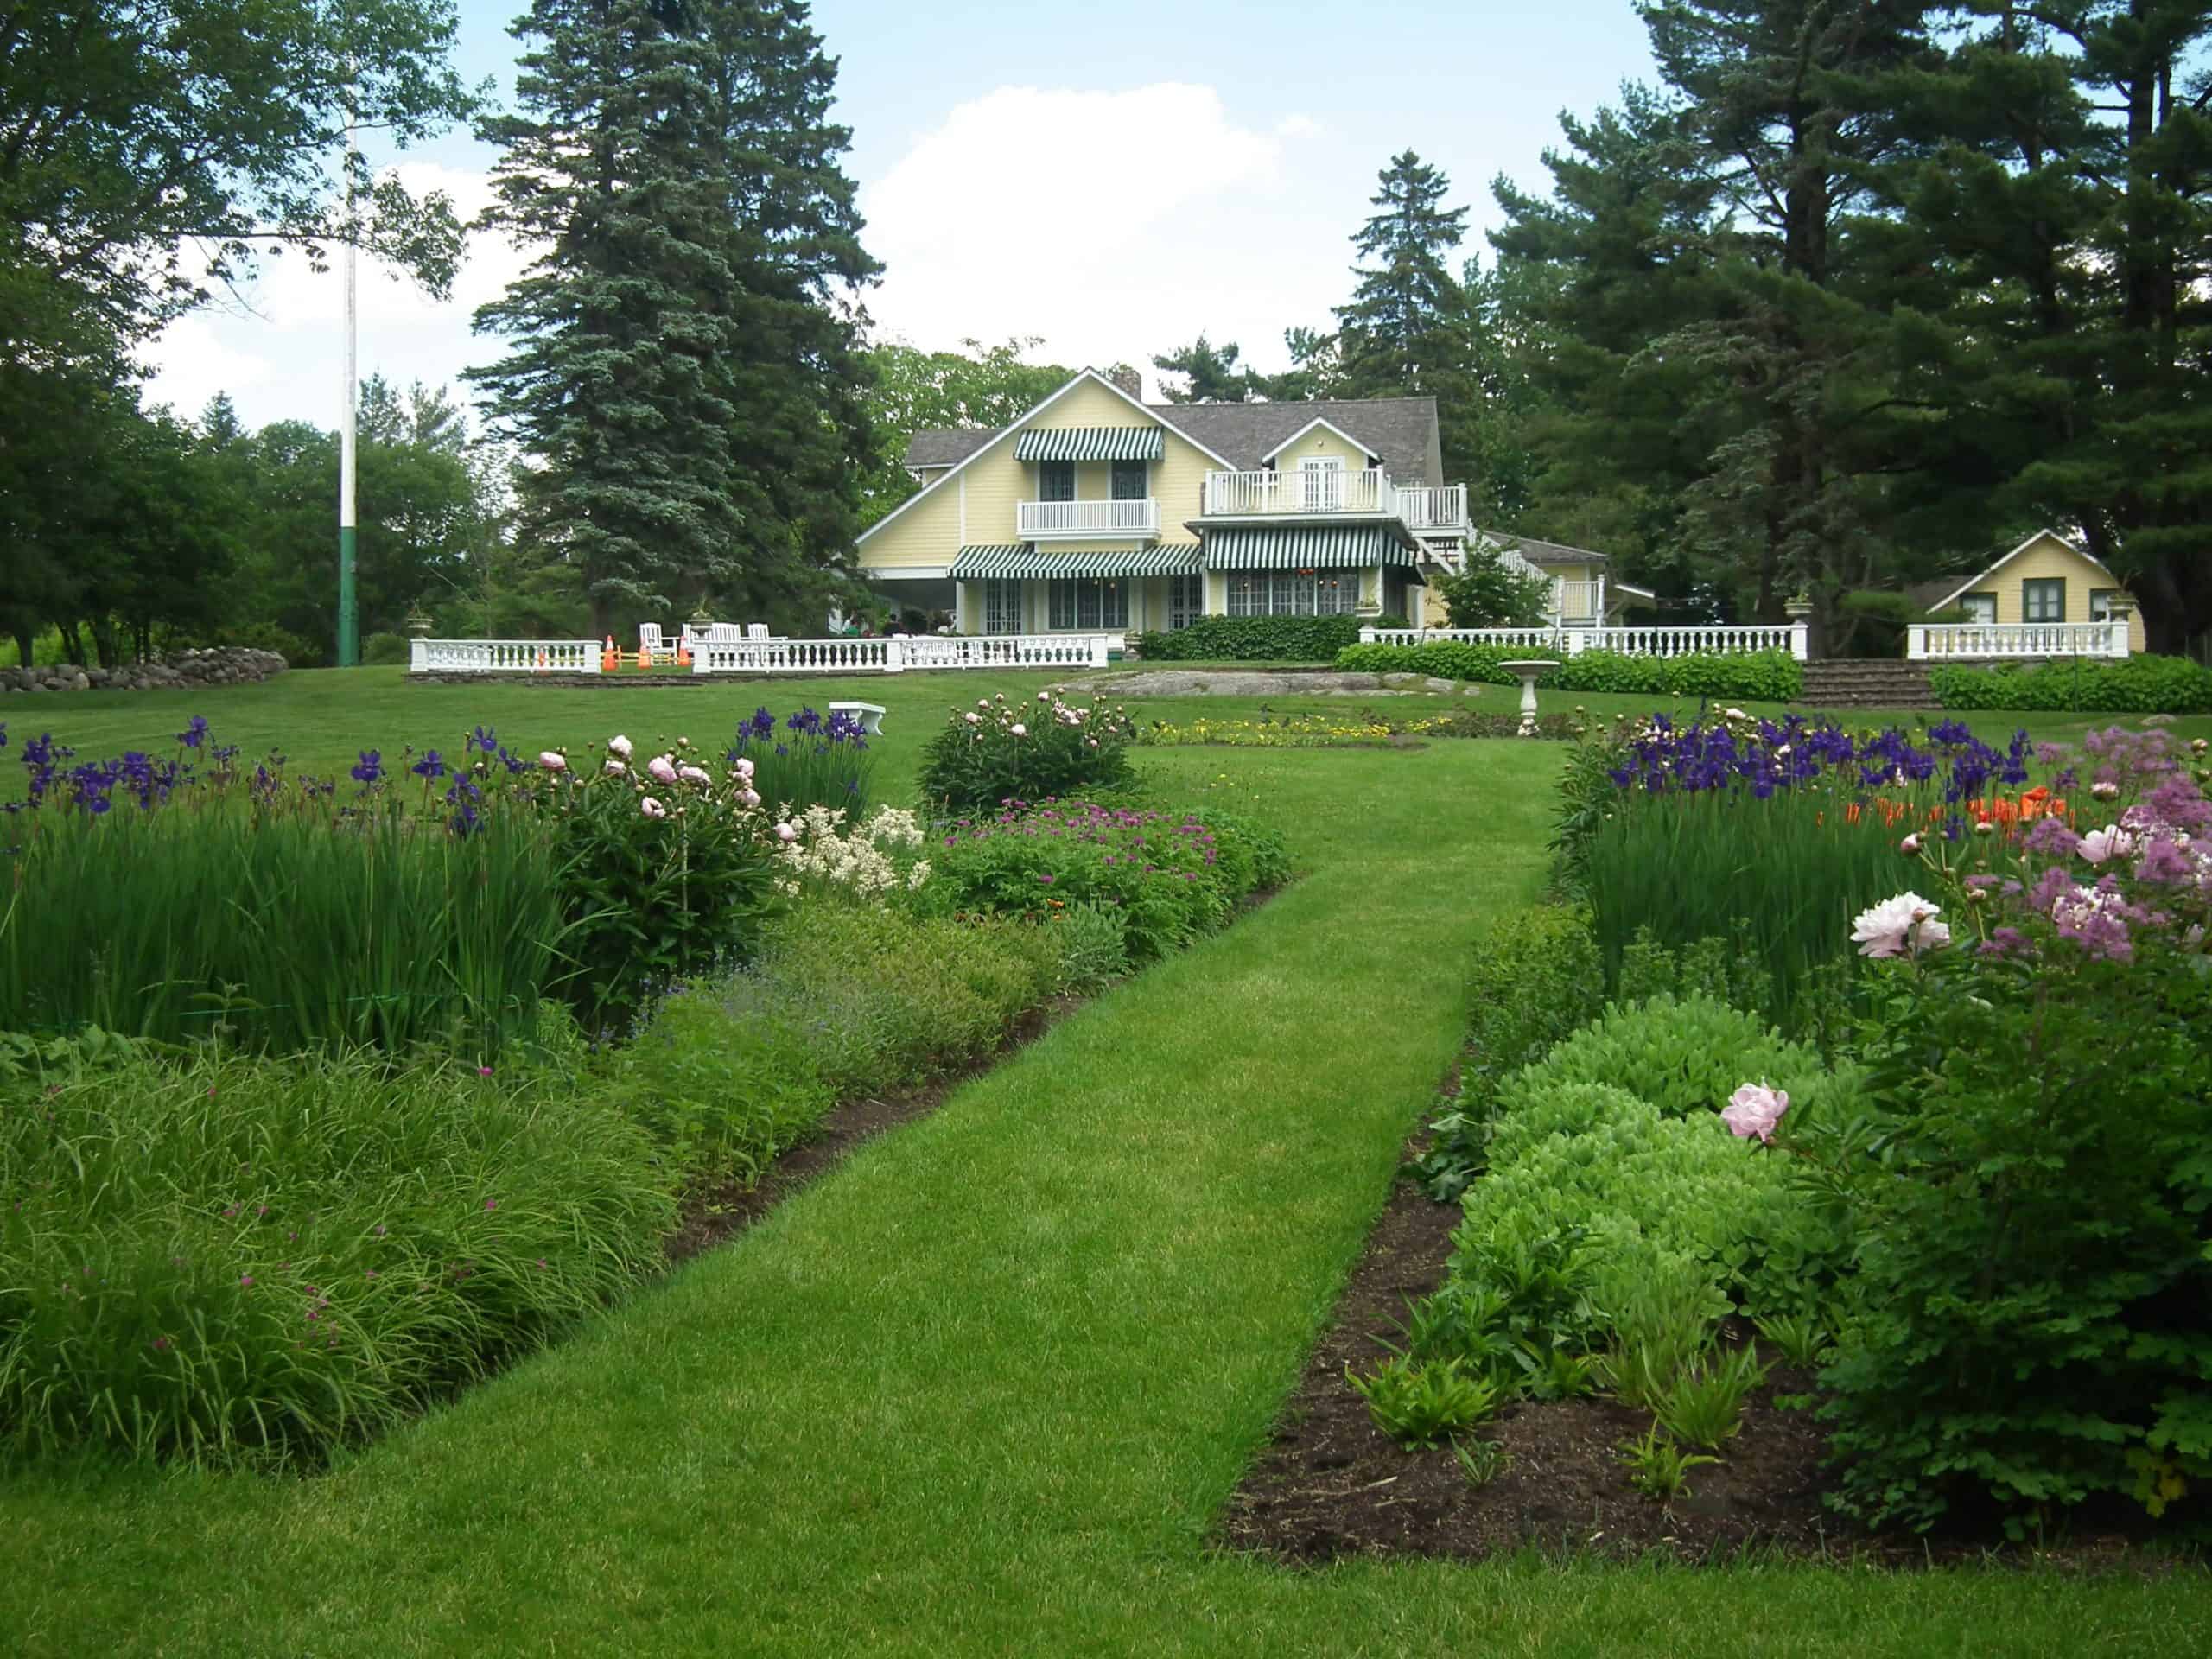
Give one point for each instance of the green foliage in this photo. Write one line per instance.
(680, 360)
(2027, 1188)
(1253, 640)
(1535, 976)
(1657, 1466)
(2141, 685)
(1703, 1403)
(238, 1258)
(909, 391)
(997, 752)
(1421, 1405)
(1094, 946)
(841, 1001)
(1208, 374)
(1802, 1339)
(1486, 595)
(1685, 1055)
(384, 650)
(283, 932)
(1480, 1460)
(1172, 878)
(650, 901)
(1764, 675)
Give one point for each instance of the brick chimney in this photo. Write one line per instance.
(1127, 380)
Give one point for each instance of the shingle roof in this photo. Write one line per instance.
(1538, 552)
(1402, 430)
(945, 446)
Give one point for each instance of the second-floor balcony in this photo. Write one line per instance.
(1070, 521)
(1329, 491)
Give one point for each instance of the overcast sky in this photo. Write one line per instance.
(1115, 179)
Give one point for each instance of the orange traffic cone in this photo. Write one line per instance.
(540, 660)
(610, 660)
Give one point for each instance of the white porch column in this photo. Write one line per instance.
(1916, 642)
(895, 654)
(419, 655)
(591, 656)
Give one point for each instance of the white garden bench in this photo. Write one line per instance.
(870, 715)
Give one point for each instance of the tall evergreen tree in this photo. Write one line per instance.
(1208, 374)
(1404, 330)
(686, 368)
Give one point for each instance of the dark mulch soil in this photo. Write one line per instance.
(710, 1218)
(1331, 1484)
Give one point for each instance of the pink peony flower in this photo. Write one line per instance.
(619, 747)
(1754, 1110)
(552, 760)
(974, 718)
(743, 768)
(616, 769)
(1897, 926)
(748, 797)
(652, 808)
(1909, 845)
(786, 833)
(694, 774)
(663, 768)
(1018, 729)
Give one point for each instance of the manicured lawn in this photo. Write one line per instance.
(984, 1390)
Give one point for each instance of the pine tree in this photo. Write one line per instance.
(1405, 328)
(685, 369)
(1211, 374)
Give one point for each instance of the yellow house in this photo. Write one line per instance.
(2046, 579)
(1585, 593)
(1096, 512)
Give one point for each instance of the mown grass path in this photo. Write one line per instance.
(984, 1390)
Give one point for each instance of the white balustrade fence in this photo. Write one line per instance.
(503, 656)
(1986, 641)
(1050, 518)
(1633, 642)
(1433, 506)
(1315, 489)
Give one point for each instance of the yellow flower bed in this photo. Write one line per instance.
(1289, 731)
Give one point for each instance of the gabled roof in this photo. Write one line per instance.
(1323, 421)
(1402, 430)
(990, 438)
(1981, 576)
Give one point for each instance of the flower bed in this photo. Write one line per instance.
(1768, 676)
(1024, 751)
(1967, 1226)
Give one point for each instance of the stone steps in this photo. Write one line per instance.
(1868, 682)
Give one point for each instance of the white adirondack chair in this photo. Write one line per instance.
(655, 649)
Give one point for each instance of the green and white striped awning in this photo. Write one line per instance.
(1023, 563)
(1316, 547)
(1090, 444)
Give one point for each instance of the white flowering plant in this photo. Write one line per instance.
(817, 850)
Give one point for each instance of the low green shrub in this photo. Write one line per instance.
(2028, 1186)
(1765, 676)
(1535, 976)
(237, 1258)
(1685, 1055)
(384, 650)
(1171, 877)
(1486, 595)
(1253, 639)
(841, 1001)
(2137, 685)
(1001, 751)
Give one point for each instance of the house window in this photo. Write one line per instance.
(1056, 481)
(1293, 592)
(1089, 604)
(1321, 479)
(1130, 483)
(2101, 600)
(1186, 600)
(1980, 607)
(2042, 599)
(1002, 607)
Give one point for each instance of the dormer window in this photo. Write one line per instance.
(1056, 481)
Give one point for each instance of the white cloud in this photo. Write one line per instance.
(280, 349)
(1113, 224)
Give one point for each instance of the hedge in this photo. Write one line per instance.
(1768, 676)
(1253, 640)
(2136, 685)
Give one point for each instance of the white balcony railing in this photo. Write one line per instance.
(1986, 641)
(1633, 642)
(1064, 520)
(1314, 490)
(1433, 506)
(503, 656)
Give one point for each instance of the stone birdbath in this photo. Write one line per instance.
(1526, 670)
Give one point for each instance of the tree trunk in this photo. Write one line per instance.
(73, 643)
